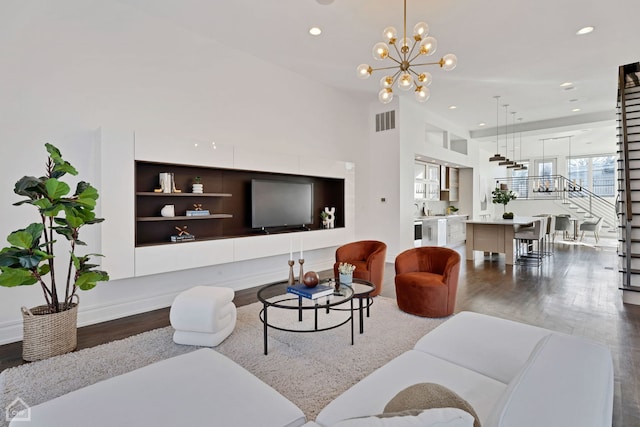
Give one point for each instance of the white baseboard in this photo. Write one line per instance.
(11, 331)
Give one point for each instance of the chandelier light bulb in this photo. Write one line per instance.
(425, 79)
(422, 93)
(405, 45)
(390, 34)
(420, 31)
(449, 62)
(364, 71)
(428, 46)
(385, 96)
(405, 82)
(380, 51)
(386, 82)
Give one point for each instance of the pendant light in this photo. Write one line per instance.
(522, 167)
(497, 157)
(506, 162)
(515, 164)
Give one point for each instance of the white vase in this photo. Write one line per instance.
(197, 188)
(346, 279)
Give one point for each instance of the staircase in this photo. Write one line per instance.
(628, 206)
(573, 198)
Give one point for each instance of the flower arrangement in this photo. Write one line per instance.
(346, 268)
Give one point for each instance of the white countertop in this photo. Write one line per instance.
(515, 220)
(432, 217)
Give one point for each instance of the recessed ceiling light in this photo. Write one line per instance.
(482, 124)
(325, 2)
(575, 110)
(452, 107)
(568, 88)
(315, 31)
(584, 30)
(566, 84)
(573, 100)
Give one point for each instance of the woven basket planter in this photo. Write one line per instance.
(48, 334)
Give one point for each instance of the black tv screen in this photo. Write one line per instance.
(281, 203)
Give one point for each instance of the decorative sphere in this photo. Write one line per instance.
(310, 279)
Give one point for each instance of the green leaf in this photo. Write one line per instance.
(56, 189)
(44, 269)
(21, 239)
(26, 238)
(9, 256)
(89, 279)
(61, 166)
(29, 186)
(10, 277)
(30, 261)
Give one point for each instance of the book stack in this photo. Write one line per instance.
(198, 213)
(183, 238)
(310, 293)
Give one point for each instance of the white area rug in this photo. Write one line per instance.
(310, 369)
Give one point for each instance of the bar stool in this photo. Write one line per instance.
(550, 230)
(526, 236)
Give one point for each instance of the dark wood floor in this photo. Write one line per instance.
(575, 291)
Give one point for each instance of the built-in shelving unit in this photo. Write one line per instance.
(227, 197)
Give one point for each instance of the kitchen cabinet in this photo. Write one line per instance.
(449, 184)
(456, 230)
(426, 181)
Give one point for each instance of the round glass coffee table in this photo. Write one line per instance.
(361, 291)
(275, 297)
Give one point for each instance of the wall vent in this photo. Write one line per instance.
(386, 121)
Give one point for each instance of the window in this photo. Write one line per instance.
(520, 182)
(597, 174)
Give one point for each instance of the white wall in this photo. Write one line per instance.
(72, 67)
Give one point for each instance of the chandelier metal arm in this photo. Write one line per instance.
(395, 46)
(427, 63)
(385, 68)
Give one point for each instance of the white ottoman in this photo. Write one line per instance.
(203, 316)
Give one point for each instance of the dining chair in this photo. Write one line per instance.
(563, 223)
(591, 225)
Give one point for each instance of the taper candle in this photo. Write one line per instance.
(301, 253)
(291, 248)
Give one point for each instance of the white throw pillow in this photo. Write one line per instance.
(435, 417)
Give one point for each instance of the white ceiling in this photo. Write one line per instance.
(520, 50)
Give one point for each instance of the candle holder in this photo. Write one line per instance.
(301, 261)
(292, 280)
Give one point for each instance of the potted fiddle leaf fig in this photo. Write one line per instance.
(31, 259)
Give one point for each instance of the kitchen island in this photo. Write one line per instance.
(494, 235)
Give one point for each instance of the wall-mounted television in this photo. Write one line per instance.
(281, 203)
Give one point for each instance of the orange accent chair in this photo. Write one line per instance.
(427, 281)
(368, 256)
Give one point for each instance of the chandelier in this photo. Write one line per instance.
(407, 51)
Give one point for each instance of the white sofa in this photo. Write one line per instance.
(201, 388)
(512, 374)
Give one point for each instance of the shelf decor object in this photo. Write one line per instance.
(183, 235)
(407, 50)
(166, 182)
(197, 187)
